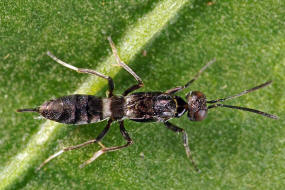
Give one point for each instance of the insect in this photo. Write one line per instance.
(80, 109)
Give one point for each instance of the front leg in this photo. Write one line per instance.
(179, 88)
(185, 141)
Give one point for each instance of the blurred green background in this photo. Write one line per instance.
(234, 149)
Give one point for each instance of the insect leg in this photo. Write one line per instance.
(179, 88)
(185, 141)
(88, 71)
(99, 137)
(127, 68)
(110, 149)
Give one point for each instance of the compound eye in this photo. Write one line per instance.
(200, 115)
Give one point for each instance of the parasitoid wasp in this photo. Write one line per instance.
(78, 109)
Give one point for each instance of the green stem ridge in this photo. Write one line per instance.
(135, 38)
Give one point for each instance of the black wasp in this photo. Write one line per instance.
(140, 106)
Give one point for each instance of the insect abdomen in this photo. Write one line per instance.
(73, 109)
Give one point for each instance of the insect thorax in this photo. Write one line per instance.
(150, 106)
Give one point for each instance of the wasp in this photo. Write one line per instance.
(78, 109)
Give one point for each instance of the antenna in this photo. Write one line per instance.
(28, 110)
(242, 108)
(242, 93)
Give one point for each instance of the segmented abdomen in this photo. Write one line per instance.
(73, 109)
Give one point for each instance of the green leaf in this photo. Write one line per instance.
(165, 43)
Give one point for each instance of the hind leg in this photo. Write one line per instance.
(110, 149)
(99, 137)
(88, 71)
